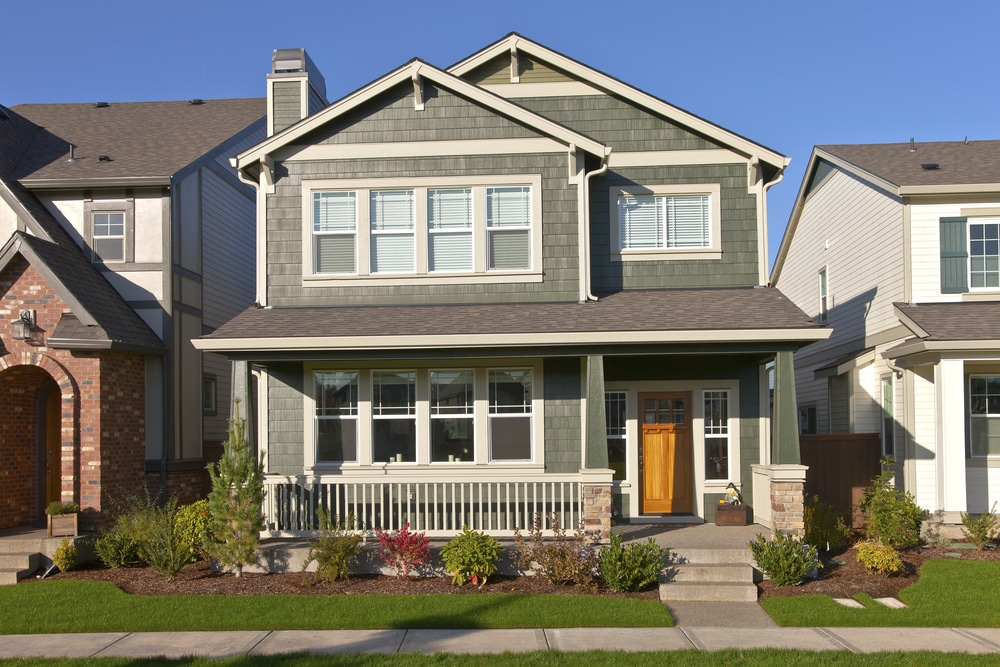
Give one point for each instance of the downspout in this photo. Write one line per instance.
(584, 227)
(762, 212)
(261, 188)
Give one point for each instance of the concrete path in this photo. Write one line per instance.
(222, 644)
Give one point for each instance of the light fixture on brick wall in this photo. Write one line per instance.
(23, 326)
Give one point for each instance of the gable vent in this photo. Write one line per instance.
(929, 166)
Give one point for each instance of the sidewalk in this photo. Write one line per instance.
(222, 644)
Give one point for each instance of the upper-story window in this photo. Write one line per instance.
(824, 297)
(423, 230)
(970, 251)
(984, 254)
(666, 222)
(110, 230)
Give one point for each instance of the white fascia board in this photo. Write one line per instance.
(511, 340)
(908, 321)
(631, 93)
(940, 347)
(445, 80)
(951, 189)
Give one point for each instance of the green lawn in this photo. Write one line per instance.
(750, 658)
(949, 594)
(87, 606)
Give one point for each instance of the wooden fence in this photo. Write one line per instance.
(841, 466)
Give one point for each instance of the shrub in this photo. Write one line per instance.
(116, 548)
(563, 560)
(191, 523)
(402, 550)
(824, 525)
(335, 550)
(892, 517)
(471, 555)
(879, 558)
(235, 522)
(57, 507)
(631, 567)
(65, 555)
(163, 548)
(786, 560)
(981, 530)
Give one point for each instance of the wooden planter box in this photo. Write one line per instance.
(63, 525)
(731, 515)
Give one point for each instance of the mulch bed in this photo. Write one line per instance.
(835, 580)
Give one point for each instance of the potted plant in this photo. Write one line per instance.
(62, 518)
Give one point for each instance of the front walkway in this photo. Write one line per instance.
(224, 644)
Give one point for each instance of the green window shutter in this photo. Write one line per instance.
(954, 256)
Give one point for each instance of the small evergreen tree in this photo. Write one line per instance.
(235, 521)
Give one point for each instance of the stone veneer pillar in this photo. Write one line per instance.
(597, 502)
(788, 498)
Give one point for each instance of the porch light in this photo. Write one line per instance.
(22, 327)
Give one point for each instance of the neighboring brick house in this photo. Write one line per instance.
(518, 285)
(896, 247)
(127, 234)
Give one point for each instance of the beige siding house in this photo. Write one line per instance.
(895, 247)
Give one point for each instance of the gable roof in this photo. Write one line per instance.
(963, 167)
(942, 327)
(614, 86)
(100, 319)
(683, 316)
(147, 142)
(414, 70)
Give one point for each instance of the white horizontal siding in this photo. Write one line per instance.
(856, 232)
(867, 408)
(982, 488)
(925, 437)
(925, 247)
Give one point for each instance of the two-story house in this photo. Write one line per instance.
(126, 233)
(517, 285)
(895, 248)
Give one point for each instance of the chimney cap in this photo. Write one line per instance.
(295, 61)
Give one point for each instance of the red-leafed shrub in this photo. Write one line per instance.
(402, 550)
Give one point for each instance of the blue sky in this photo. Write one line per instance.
(784, 74)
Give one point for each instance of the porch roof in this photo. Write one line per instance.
(967, 326)
(632, 317)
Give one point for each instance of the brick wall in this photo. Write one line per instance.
(20, 390)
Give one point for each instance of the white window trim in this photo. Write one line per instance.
(422, 276)
(823, 300)
(364, 463)
(970, 417)
(714, 249)
(978, 220)
(728, 436)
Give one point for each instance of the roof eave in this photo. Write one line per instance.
(102, 345)
(87, 183)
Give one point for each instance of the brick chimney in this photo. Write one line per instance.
(295, 89)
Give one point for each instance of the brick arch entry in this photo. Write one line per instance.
(24, 381)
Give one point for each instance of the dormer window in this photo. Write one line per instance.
(110, 230)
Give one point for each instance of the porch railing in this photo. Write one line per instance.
(438, 508)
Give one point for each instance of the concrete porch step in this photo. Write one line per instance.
(16, 567)
(685, 555)
(718, 591)
(20, 545)
(709, 572)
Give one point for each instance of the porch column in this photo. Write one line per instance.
(241, 390)
(949, 393)
(784, 421)
(597, 429)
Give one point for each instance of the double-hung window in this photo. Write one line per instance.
(716, 435)
(336, 421)
(109, 236)
(392, 227)
(984, 417)
(335, 227)
(452, 416)
(510, 415)
(394, 416)
(422, 230)
(508, 228)
(449, 226)
(824, 297)
(984, 254)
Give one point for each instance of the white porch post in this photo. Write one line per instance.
(949, 392)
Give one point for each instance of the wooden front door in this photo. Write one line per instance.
(666, 455)
(52, 406)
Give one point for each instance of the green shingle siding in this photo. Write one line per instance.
(738, 266)
(287, 104)
(563, 437)
(618, 123)
(559, 231)
(497, 71)
(285, 419)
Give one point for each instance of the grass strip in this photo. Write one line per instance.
(691, 658)
(949, 594)
(88, 606)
